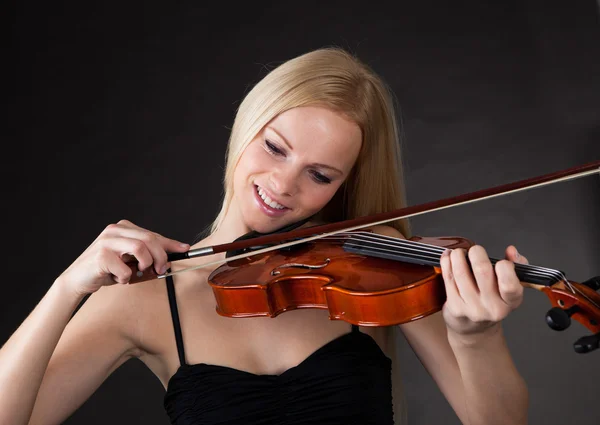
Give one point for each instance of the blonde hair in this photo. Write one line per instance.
(334, 78)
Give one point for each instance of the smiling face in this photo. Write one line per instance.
(293, 167)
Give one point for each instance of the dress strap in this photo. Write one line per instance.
(355, 328)
(175, 317)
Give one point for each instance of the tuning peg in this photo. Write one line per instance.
(559, 319)
(593, 283)
(585, 344)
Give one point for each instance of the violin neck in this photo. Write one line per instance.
(374, 245)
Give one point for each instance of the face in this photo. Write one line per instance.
(294, 167)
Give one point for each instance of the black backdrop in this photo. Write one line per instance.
(122, 111)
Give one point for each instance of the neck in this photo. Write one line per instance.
(232, 226)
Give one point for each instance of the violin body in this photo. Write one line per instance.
(359, 289)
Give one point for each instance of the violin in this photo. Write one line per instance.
(369, 279)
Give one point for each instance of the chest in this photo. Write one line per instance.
(258, 345)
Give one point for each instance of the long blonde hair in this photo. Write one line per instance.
(334, 78)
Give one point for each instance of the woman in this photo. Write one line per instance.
(316, 138)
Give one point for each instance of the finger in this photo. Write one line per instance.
(465, 282)
(509, 286)
(483, 272)
(128, 229)
(452, 293)
(125, 248)
(513, 255)
(133, 231)
(111, 266)
(172, 245)
(128, 223)
(157, 244)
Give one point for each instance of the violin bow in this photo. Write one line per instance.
(274, 241)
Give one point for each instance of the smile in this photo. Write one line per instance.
(268, 205)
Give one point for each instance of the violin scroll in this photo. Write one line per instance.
(579, 301)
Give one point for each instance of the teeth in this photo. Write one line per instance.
(268, 200)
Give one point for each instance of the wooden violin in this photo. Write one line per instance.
(370, 279)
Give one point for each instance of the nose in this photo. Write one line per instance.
(284, 181)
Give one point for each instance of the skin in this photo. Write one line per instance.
(52, 363)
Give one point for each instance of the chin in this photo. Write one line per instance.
(267, 225)
(256, 220)
(265, 228)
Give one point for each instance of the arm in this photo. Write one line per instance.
(479, 297)
(25, 355)
(463, 347)
(477, 376)
(52, 363)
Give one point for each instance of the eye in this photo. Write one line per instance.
(320, 178)
(272, 148)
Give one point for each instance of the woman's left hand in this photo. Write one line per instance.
(480, 296)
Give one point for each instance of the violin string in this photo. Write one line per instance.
(526, 269)
(432, 253)
(577, 291)
(419, 247)
(437, 251)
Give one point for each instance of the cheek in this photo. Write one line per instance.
(248, 164)
(253, 159)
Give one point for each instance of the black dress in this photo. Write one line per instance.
(346, 381)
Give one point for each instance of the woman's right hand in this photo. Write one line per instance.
(103, 262)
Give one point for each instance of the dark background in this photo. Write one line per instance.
(123, 111)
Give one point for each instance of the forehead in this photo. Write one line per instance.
(319, 130)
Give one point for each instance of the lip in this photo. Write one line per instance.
(272, 212)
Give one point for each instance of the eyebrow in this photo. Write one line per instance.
(329, 167)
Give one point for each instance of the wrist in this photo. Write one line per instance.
(476, 339)
(66, 291)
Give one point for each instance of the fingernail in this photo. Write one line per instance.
(518, 255)
(163, 269)
(184, 245)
